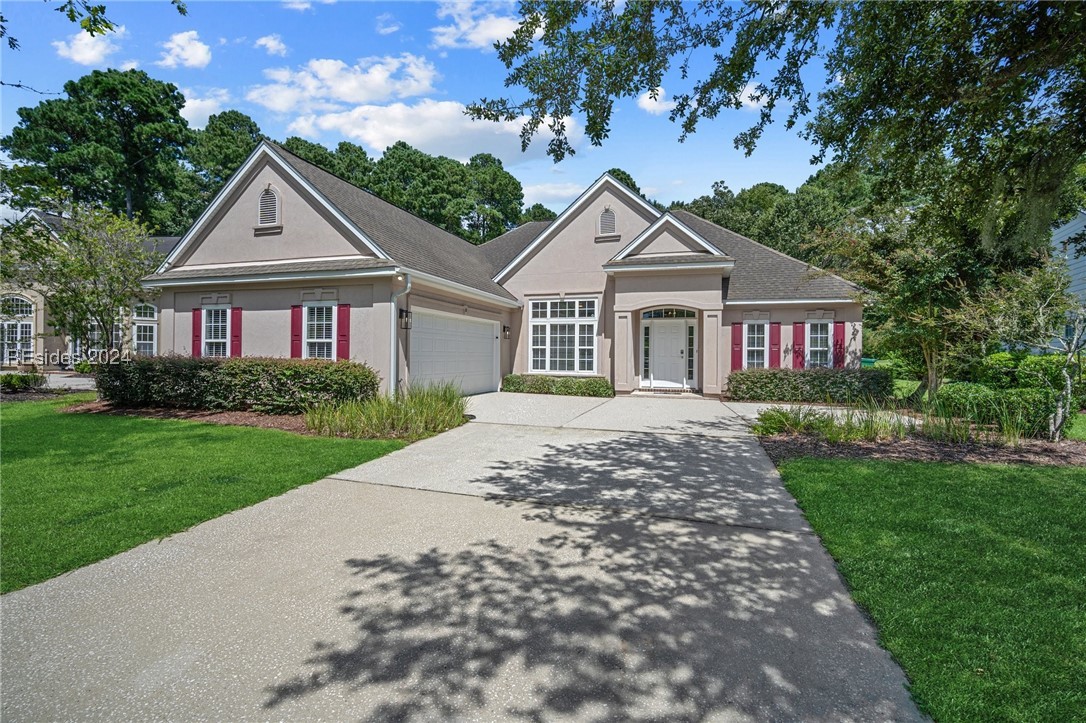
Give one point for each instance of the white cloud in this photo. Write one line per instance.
(387, 24)
(436, 127)
(273, 44)
(551, 192)
(746, 97)
(185, 49)
(130, 64)
(87, 49)
(325, 84)
(297, 5)
(196, 110)
(472, 26)
(658, 106)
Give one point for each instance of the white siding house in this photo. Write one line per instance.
(1061, 239)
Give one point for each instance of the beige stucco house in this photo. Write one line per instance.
(291, 261)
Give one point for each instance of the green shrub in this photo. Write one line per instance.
(567, 386)
(270, 386)
(1025, 411)
(968, 400)
(900, 367)
(22, 382)
(421, 412)
(999, 370)
(810, 385)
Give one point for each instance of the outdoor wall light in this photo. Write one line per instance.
(505, 332)
(405, 319)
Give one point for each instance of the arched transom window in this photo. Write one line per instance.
(16, 330)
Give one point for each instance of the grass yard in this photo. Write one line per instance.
(974, 575)
(1077, 430)
(78, 488)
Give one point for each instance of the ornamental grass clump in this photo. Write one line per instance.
(410, 416)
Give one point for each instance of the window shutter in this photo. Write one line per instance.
(269, 208)
(799, 345)
(343, 331)
(737, 345)
(774, 345)
(296, 332)
(838, 345)
(197, 327)
(607, 222)
(235, 331)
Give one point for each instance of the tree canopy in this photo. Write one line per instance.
(998, 89)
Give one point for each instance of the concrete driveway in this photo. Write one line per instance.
(557, 558)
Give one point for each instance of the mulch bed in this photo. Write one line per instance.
(286, 422)
(914, 449)
(30, 396)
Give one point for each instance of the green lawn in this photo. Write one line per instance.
(1077, 430)
(974, 574)
(80, 487)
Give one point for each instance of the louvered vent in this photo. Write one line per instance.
(269, 208)
(607, 222)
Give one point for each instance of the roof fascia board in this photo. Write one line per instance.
(263, 278)
(568, 213)
(778, 302)
(670, 267)
(666, 218)
(462, 289)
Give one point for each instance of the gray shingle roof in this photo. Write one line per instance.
(762, 273)
(501, 250)
(155, 244)
(273, 269)
(409, 240)
(678, 259)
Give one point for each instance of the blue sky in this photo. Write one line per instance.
(374, 73)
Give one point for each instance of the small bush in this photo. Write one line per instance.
(968, 400)
(567, 386)
(22, 382)
(421, 412)
(810, 385)
(1025, 411)
(269, 386)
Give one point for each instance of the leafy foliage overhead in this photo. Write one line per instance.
(998, 88)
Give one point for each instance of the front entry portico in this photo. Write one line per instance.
(669, 349)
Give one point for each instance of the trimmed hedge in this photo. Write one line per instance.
(810, 385)
(1025, 409)
(567, 386)
(969, 401)
(21, 382)
(269, 386)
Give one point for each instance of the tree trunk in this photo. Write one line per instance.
(128, 203)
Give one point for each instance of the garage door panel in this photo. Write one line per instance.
(453, 349)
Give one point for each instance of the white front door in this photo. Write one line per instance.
(667, 349)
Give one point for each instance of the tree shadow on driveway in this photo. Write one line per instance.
(601, 614)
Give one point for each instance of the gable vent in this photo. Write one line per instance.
(607, 222)
(269, 208)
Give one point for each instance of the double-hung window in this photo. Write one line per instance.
(818, 344)
(319, 331)
(145, 329)
(217, 331)
(755, 345)
(564, 335)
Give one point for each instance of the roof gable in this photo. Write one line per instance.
(668, 235)
(605, 182)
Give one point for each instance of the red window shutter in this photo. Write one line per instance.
(838, 345)
(799, 345)
(737, 345)
(197, 327)
(774, 345)
(235, 331)
(296, 332)
(343, 331)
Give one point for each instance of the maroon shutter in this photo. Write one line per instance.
(838, 345)
(296, 332)
(799, 345)
(343, 331)
(737, 345)
(235, 331)
(774, 345)
(197, 325)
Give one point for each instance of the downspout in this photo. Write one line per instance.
(394, 357)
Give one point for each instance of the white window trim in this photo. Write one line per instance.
(765, 349)
(136, 318)
(278, 221)
(691, 322)
(203, 330)
(22, 354)
(807, 343)
(305, 328)
(576, 321)
(154, 335)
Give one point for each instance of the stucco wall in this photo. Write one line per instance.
(571, 264)
(662, 242)
(307, 232)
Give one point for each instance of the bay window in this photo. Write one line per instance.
(564, 335)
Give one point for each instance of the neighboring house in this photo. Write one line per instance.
(1062, 240)
(291, 261)
(27, 334)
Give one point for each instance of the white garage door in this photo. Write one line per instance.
(456, 349)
